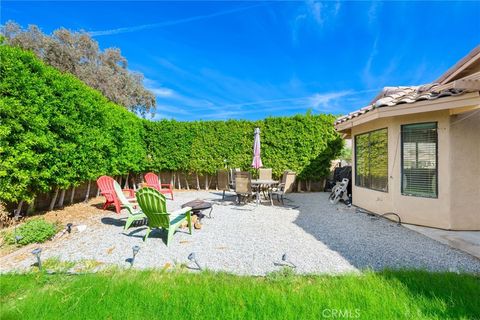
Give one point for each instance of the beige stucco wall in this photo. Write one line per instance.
(465, 169)
(372, 200)
(440, 212)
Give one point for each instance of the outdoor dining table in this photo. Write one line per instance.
(257, 183)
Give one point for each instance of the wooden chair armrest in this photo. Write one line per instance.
(166, 185)
(181, 211)
(278, 187)
(131, 192)
(150, 185)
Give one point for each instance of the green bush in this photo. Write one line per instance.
(56, 132)
(32, 231)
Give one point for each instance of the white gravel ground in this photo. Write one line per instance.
(318, 237)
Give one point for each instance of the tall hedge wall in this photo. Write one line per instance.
(56, 132)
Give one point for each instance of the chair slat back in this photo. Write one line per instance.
(222, 180)
(153, 204)
(289, 181)
(233, 172)
(243, 183)
(152, 180)
(120, 195)
(265, 174)
(106, 186)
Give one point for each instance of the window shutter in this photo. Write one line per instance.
(419, 160)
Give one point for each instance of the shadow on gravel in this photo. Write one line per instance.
(154, 234)
(229, 196)
(133, 232)
(113, 222)
(371, 242)
(100, 207)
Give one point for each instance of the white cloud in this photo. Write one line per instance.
(337, 7)
(315, 10)
(162, 92)
(158, 89)
(324, 101)
(166, 23)
(315, 13)
(368, 77)
(373, 11)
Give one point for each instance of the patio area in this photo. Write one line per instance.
(317, 237)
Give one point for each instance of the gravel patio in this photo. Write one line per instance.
(244, 239)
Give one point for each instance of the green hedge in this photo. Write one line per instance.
(57, 132)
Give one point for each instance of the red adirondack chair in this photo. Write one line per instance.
(106, 186)
(152, 181)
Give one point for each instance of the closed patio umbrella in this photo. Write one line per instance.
(257, 161)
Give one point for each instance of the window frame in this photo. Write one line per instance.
(402, 161)
(356, 162)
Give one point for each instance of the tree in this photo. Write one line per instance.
(77, 53)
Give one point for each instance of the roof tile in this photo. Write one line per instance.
(393, 96)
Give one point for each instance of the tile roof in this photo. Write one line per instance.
(393, 96)
(463, 77)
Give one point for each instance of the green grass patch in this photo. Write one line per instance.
(32, 231)
(120, 294)
(56, 265)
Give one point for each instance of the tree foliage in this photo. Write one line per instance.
(78, 54)
(55, 131)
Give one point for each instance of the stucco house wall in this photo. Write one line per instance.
(453, 101)
(457, 206)
(416, 210)
(465, 171)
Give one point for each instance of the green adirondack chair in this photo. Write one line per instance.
(152, 203)
(133, 215)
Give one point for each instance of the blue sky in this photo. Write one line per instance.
(250, 60)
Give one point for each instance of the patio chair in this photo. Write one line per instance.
(152, 181)
(232, 177)
(153, 204)
(134, 214)
(243, 185)
(286, 186)
(106, 185)
(265, 174)
(222, 182)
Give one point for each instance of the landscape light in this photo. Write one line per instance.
(286, 262)
(36, 252)
(18, 238)
(69, 227)
(135, 250)
(16, 217)
(192, 258)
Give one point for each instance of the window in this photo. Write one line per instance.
(371, 160)
(419, 160)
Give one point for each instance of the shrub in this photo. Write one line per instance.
(56, 132)
(34, 230)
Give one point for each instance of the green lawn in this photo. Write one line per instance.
(180, 295)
